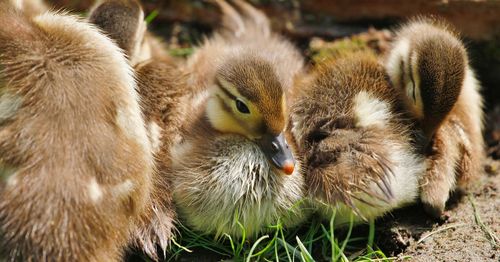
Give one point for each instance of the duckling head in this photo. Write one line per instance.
(428, 65)
(123, 21)
(248, 99)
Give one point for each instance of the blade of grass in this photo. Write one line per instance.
(306, 256)
(183, 52)
(333, 245)
(424, 237)
(289, 247)
(151, 16)
(276, 250)
(492, 238)
(180, 246)
(269, 245)
(344, 243)
(243, 238)
(230, 242)
(284, 242)
(371, 233)
(255, 246)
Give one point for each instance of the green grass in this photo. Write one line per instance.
(149, 18)
(316, 241)
(181, 52)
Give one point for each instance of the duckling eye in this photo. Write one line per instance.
(242, 107)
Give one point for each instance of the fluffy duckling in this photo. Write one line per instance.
(355, 146)
(429, 65)
(75, 158)
(162, 97)
(234, 169)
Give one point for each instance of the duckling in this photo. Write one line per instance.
(233, 169)
(75, 158)
(123, 21)
(429, 66)
(346, 123)
(161, 96)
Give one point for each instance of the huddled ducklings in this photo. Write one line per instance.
(363, 129)
(162, 90)
(429, 65)
(233, 169)
(80, 163)
(75, 157)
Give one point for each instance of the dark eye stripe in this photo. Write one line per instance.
(240, 105)
(226, 92)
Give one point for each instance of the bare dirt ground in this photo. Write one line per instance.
(471, 228)
(469, 232)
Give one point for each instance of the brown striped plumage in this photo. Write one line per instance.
(373, 137)
(429, 65)
(162, 90)
(221, 174)
(354, 143)
(75, 159)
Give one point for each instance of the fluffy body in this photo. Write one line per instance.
(354, 144)
(161, 87)
(163, 96)
(236, 185)
(220, 177)
(74, 145)
(429, 65)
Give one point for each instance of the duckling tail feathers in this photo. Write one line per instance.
(243, 19)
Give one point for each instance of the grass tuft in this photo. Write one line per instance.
(313, 242)
(151, 16)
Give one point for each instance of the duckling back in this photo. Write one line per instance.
(75, 157)
(163, 99)
(355, 147)
(429, 65)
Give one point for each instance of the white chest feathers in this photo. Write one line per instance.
(228, 184)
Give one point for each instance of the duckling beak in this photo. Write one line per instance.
(277, 151)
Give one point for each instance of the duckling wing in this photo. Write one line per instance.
(356, 151)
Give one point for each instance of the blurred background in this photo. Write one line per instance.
(325, 27)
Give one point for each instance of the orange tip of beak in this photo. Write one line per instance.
(288, 168)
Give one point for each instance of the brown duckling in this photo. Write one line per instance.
(355, 145)
(359, 125)
(75, 158)
(429, 65)
(162, 97)
(233, 168)
(163, 100)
